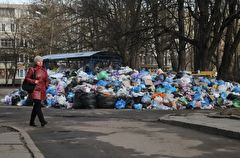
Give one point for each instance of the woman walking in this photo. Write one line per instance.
(39, 93)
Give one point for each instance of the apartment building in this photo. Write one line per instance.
(11, 43)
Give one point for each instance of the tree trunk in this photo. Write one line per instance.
(174, 61)
(181, 53)
(230, 47)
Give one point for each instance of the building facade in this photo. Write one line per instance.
(12, 60)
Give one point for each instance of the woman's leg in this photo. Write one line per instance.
(33, 115)
(38, 105)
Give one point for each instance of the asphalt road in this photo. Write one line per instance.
(103, 133)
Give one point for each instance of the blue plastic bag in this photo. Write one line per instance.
(168, 80)
(24, 101)
(168, 88)
(207, 101)
(70, 95)
(197, 89)
(221, 82)
(143, 86)
(121, 104)
(102, 83)
(137, 106)
(223, 95)
(196, 97)
(137, 89)
(116, 83)
(143, 71)
(192, 104)
(236, 89)
(156, 105)
(205, 81)
(160, 89)
(146, 99)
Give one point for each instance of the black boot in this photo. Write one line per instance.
(32, 124)
(44, 123)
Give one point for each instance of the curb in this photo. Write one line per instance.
(28, 143)
(203, 128)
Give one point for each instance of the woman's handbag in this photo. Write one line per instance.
(28, 86)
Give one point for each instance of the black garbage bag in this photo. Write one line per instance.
(111, 85)
(137, 100)
(77, 96)
(232, 96)
(15, 99)
(130, 73)
(73, 73)
(196, 81)
(77, 105)
(180, 74)
(93, 81)
(163, 76)
(160, 77)
(168, 104)
(134, 82)
(129, 103)
(89, 100)
(145, 105)
(157, 78)
(67, 74)
(171, 72)
(58, 106)
(74, 82)
(106, 101)
(68, 88)
(23, 94)
(176, 94)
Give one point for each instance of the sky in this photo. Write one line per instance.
(14, 1)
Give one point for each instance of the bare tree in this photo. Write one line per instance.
(11, 55)
(182, 56)
(191, 31)
(115, 26)
(231, 41)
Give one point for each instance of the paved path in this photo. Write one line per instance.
(15, 142)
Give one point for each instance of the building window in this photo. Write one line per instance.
(12, 27)
(3, 27)
(21, 57)
(6, 43)
(26, 60)
(6, 12)
(6, 57)
(17, 27)
(21, 73)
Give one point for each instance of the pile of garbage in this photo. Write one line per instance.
(131, 89)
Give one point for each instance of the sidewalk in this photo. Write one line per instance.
(15, 142)
(210, 123)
